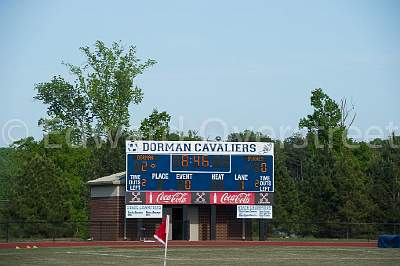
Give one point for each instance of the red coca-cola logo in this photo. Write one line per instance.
(233, 198)
(171, 198)
(240, 198)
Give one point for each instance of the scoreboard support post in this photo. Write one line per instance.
(263, 230)
(185, 222)
(139, 229)
(243, 229)
(125, 228)
(213, 223)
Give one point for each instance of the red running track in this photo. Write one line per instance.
(217, 243)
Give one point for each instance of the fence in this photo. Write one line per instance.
(113, 230)
(44, 230)
(331, 230)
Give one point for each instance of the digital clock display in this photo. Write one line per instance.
(192, 163)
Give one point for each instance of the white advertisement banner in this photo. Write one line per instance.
(254, 211)
(143, 211)
(199, 147)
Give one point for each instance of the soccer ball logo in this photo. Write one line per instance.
(132, 147)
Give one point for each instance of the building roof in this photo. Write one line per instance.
(114, 179)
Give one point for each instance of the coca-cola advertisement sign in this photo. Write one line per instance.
(165, 197)
(182, 197)
(232, 198)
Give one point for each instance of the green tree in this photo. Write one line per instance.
(324, 123)
(39, 190)
(190, 136)
(100, 95)
(319, 193)
(48, 183)
(248, 135)
(287, 207)
(354, 204)
(384, 171)
(156, 126)
(295, 155)
(109, 155)
(335, 187)
(8, 167)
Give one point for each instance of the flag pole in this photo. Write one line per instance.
(166, 240)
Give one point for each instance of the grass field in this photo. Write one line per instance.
(201, 256)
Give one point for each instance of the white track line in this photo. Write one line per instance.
(230, 258)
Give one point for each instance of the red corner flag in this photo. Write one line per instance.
(161, 235)
(161, 232)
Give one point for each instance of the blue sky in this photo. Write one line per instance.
(241, 64)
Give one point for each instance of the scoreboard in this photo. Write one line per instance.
(199, 166)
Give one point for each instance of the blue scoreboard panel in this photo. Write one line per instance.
(229, 171)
